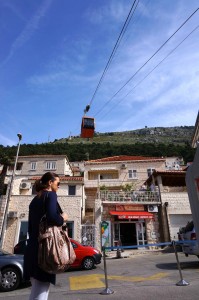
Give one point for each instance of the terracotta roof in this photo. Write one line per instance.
(62, 178)
(124, 158)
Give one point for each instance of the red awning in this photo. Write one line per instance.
(132, 214)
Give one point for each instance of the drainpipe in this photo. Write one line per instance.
(164, 213)
(166, 204)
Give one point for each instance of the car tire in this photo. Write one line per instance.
(88, 263)
(10, 279)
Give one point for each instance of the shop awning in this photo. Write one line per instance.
(131, 214)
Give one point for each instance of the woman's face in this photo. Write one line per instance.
(54, 185)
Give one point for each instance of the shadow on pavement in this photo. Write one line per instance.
(184, 265)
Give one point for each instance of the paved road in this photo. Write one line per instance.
(142, 277)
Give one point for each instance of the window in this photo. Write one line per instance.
(34, 192)
(19, 166)
(51, 165)
(72, 190)
(132, 174)
(23, 233)
(33, 165)
(70, 229)
(150, 171)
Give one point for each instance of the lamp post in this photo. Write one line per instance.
(9, 191)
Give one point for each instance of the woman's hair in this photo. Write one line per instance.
(42, 183)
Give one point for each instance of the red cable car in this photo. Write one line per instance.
(88, 127)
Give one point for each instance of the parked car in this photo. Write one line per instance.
(187, 235)
(11, 271)
(86, 256)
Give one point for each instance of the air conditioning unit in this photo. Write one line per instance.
(25, 185)
(177, 167)
(124, 166)
(12, 214)
(152, 208)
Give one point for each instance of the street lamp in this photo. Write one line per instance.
(9, 192)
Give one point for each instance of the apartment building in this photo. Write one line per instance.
(122, 208)
(70, 195)
(175, 209)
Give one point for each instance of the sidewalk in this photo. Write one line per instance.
(141, 251)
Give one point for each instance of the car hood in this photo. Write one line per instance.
(91, 248)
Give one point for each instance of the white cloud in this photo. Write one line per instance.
(105, 14)
(28, 31)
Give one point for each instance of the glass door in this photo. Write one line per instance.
(141, 233)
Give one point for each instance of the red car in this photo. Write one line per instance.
(86, 256)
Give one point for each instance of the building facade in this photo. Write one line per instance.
(70, 195)
(117, 201)
(175, 209)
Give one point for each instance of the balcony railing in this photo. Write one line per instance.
(144, 197)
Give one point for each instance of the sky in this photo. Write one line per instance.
(53, 54)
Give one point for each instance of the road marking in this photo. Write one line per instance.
(86, 282)
(97, 280)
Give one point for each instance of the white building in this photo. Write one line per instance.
(70, 196)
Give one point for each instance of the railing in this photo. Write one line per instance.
(133, 196)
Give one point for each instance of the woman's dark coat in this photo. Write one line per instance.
(45, 204)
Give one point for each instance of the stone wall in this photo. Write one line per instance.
(177, 212)
(20, 204)
(41, 165)
(178, 203)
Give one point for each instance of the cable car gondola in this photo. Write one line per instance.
(88, 127)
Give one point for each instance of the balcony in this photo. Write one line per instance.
(107, 182)
(133, 197)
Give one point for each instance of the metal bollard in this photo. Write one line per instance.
(118, 253)
(182, 282)
(107, 291)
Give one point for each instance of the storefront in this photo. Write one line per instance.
(129, 228)
(130, 225)
(129, 233)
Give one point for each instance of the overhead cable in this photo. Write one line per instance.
(151, 70)
(147, 61)
(128, 19)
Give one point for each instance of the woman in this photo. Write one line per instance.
(44, 203)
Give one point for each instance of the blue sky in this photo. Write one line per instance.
(53, 53)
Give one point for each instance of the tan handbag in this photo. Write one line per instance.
(56, 253)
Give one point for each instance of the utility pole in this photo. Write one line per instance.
(9, 192)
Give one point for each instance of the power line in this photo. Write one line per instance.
(153, 69)
(147, 61)
(126, 23)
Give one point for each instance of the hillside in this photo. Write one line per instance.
(166, 135)
(158, 142)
